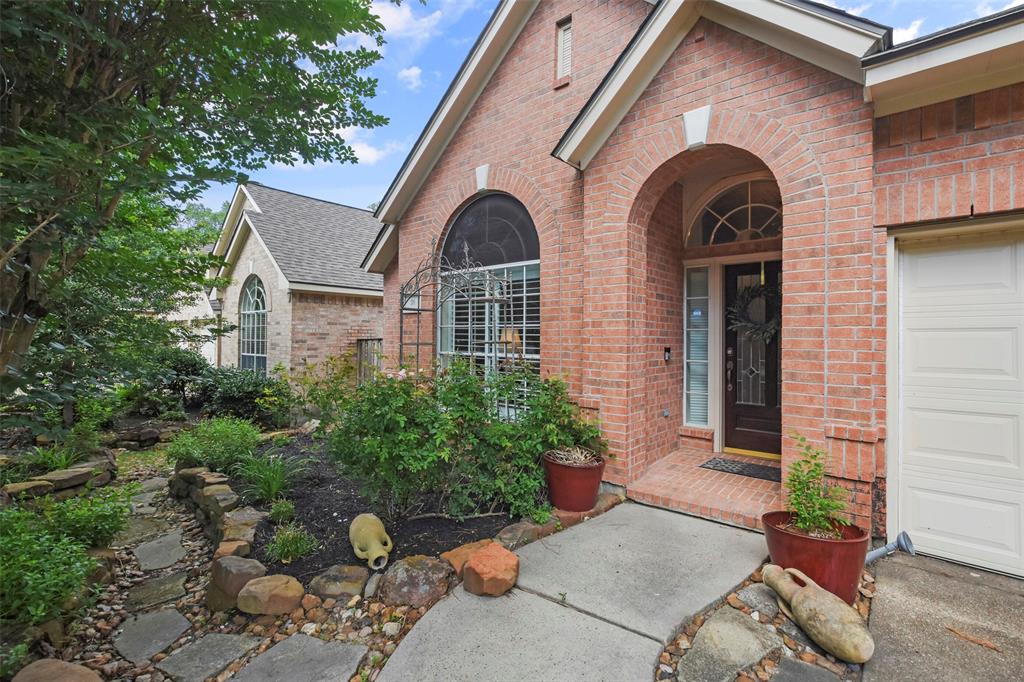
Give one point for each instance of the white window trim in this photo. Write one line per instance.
(563, 48)
(243, 314)
(716, 334)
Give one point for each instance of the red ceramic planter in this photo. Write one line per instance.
(836, 565)
(573, 488)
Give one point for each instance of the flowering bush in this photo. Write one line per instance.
(456, 442)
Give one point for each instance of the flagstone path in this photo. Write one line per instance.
(155, 623)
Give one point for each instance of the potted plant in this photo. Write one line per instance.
(574, 476)
(812, 535)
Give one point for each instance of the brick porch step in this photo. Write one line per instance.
(678, 483)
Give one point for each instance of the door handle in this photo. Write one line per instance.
(728, 369)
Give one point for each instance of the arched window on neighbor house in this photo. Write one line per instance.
(252, 326)
(493, 235)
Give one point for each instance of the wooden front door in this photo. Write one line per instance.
(753, 385)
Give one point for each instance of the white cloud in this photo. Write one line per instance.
(411, 78)
(362, 144)
(985, 8)
(402, 25)
(902, 35)
(855, 10)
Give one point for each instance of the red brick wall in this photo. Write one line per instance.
(513, 126)
(328, 325)
(953, 159)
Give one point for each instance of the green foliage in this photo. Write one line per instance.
(54, 457)
(816, 506)
(458, 441)
(268, 476)
(92, 519)
(219, 443)
(282, 511)
(104, 101)
(246, 394)
(290, 542)
(12, 659)
(40, 569)
(325, 388)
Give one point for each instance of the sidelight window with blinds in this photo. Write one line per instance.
(696, 334)
(563, 56)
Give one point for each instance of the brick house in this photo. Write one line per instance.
(730, 222)
(296, 292)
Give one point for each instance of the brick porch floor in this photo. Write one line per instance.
(677, 482)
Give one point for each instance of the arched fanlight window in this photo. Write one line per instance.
(252, 326)
(745, 212)
(495, 237)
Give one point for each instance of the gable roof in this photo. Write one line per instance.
(313, 243)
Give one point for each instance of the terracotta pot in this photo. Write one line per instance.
(573, 488)
(835, 565)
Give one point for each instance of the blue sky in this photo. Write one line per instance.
(426, 43)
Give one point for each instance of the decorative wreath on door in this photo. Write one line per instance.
(738, 314)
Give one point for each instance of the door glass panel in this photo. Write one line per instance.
(696, 367)
(750, 353)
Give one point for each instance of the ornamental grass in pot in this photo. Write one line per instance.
(574, 476)
(813, 535)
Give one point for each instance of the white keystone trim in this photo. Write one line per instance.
(482, 174)
(695, 127)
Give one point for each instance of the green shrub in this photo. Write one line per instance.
(268, 476)
(246, 394)
(92, 519)
(464, 443)
(12, 658)
(816, 506)
(219, 443)
(54, 457)
(83, 439)
(282, 511)
(181, 372)
(40, 569)
(290, 542)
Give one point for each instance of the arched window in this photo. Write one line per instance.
(252, 326)
(497, 315)
(745, 212)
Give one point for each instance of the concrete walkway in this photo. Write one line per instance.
(594, 602)
(935, 620)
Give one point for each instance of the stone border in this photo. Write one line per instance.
(63, 484)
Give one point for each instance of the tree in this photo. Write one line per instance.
(103, 99)
(108, 318)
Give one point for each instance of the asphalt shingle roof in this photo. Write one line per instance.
(315, 241)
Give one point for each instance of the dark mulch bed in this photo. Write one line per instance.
(326, 502)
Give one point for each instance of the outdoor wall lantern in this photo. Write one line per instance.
(668, 354)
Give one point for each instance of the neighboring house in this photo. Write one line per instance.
(297, 294)
(198, 316)
(637, 169)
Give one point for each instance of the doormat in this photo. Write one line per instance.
(732, 466)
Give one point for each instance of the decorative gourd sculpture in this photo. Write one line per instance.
(827, 619)
(370, 541)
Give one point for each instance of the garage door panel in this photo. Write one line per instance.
(982, 271)
(982, 354)
(975, 524)
(967, 436)
(960, 487)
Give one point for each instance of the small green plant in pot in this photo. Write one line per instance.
(813, 535)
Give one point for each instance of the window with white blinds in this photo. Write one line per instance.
(564, 56)
(696, 369)
(252, 326)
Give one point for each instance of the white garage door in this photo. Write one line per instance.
(961, 414)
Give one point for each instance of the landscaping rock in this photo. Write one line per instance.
(271, 595)
(492, 570)
(232, 548)
(148, 437)
(160, 553)
(215, 500)
(523, 533)
(231, 573)
(301, 657)
(28, 489)
(760, 598)
(150, 634)
(156, 591)
(190, 474)
(206, 657)
(152, 485)
(460, 555)
(52, 670)
(208, 478)
(568, 519)
(792, 670)
(727, 642)
(106, 560)
(416, 580)
(371, 585)
(340, 582)
(140, 529)
(67, 478)
(606, 501)
(240, 524)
